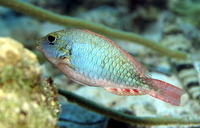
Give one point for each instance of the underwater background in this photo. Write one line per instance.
(28, 82)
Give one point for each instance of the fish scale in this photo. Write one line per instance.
(106, 61)
(92, 59)
(93, 55)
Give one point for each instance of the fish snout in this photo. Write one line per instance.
(39, 48)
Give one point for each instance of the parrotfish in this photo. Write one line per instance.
(92, 59)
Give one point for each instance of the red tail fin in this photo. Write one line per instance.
(166, 92)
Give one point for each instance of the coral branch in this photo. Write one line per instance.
(88, 104)
(101, 29)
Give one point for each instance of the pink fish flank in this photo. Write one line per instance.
(91, 59)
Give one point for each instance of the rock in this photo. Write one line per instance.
(172, 40)
(26, 100)
(13, 53)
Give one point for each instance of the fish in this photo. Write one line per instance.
(92, 59)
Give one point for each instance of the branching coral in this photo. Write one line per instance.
(101, 29)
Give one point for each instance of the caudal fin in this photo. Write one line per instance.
(166, 92)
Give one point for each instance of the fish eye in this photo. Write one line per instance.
(51, 39)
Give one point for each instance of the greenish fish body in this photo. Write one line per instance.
(92, 59)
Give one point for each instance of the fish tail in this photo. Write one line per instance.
(166, 92)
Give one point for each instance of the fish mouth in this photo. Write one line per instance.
(39, 48)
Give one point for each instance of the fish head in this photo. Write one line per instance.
(55, 46)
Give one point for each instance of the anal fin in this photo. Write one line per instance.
(124, 92)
